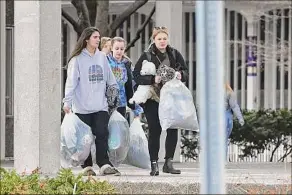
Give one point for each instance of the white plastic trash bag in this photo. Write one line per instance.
(119, 138)
(138, 154)
(176, 107)
(76, 141)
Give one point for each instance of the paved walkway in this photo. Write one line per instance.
(241, 178)
(245, 173)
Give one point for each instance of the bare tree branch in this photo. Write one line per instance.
(285, 155)
(126, 14)
(71, 20)
(82, 12)
(273, 50)
(132, 43)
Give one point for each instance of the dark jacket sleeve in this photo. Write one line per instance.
(129, 86)
(142, 80)
(182, 67)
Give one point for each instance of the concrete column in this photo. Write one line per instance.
(251, 63)
(169, 14)
(37, 86)
(2, 77)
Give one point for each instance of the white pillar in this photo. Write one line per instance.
(37, 86)
(169, 14)
(251, 63)
(268, 64)
(2, 77)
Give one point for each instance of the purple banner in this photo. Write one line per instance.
(251, 57)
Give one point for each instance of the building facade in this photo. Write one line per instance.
(258, 50)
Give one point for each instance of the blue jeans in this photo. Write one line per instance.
(228, 127)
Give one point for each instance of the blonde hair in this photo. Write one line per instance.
(157, 30)
(103, 41)
(228, 88)
(120, 39)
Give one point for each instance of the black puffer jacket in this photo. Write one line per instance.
(176, 62)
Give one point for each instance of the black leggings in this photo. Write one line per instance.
(98, 122)
(123, 112)
(151, 113)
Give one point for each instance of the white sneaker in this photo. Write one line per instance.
(109, 170)
(88, 171)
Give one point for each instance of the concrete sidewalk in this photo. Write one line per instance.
(240, 177)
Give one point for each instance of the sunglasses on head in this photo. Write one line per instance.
(158, 28)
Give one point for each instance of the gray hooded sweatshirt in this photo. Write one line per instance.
(87, 79)
(232, 105)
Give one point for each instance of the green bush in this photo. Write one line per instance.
(262, 129)
(13, 183)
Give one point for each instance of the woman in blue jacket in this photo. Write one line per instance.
(121, 68)
(231, 107)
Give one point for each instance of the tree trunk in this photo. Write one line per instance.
(101, 21)
(70, 19)
(96, 12)
(83, 14)
(91, 6)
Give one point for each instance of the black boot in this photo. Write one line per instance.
(168, 168)
(154, 168)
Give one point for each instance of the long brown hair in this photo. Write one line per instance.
(81, 43)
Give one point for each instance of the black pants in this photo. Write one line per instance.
(122, 111)
(151, 113)
(99, 126)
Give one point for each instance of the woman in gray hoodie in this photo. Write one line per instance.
(91, 92)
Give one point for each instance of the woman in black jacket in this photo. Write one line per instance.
(160, 53)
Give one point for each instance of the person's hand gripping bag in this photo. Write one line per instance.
(76, 141)
(119, 138)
